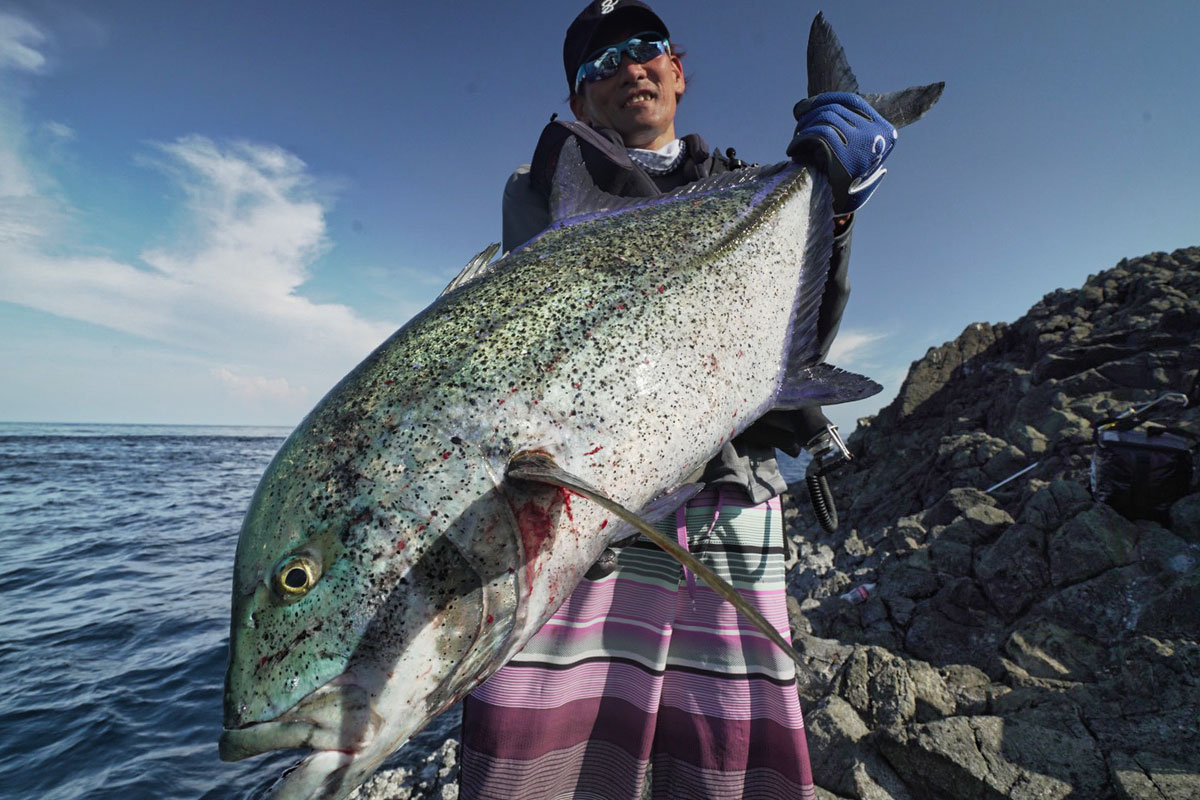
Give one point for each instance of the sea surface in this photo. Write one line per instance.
(116, 554)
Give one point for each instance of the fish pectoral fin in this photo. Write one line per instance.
(823, 385)
(541, 468)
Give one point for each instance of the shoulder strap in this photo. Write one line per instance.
(607, 162)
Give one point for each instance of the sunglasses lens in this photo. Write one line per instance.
(642, 52)
(641, 48)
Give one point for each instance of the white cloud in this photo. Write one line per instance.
(19, 40)
(59, 131)
(228, 288)
(223, 288)
(260, 388)
(853, 347)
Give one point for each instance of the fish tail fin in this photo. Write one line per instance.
(829, 71)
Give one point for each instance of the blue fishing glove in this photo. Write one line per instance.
(841, 134)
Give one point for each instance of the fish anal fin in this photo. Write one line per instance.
(541, 468)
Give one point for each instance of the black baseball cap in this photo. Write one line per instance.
(594, 20)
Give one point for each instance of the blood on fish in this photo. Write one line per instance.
(566, 500)
(535, 525)
(593, 452)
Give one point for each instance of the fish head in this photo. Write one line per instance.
(354, 616)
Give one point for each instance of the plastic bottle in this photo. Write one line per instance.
(858, 594)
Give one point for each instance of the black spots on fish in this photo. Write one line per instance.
(439, 586)
(271, 660)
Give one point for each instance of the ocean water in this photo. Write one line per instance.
(116, 555)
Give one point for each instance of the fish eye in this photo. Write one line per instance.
(295, 575)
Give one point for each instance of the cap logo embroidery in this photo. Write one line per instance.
(607, 6)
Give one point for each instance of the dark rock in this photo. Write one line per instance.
(823, 660)
(841, 760)
(954, 627)
(954, 504)
(1057, 503)
(971, 689)
(878, 686)
(989, 758)
(1106, 607)
(1172, 609)
(1013, 570)
(1024, 641)
(1094, 541)
(1149, 776)
(1185, 517)
(1046, 650)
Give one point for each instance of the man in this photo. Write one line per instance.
(641, 670)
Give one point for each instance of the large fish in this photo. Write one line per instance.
(429, 515)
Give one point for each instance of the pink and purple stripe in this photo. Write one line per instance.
(639, 672)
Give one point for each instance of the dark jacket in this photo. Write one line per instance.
(749, 460)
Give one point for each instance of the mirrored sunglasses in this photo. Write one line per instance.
(604, 63)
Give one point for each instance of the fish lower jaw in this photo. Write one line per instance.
(338, 717)
(330, 774)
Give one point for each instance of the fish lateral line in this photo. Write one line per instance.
(538, 467)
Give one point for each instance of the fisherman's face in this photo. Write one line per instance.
(638, 102)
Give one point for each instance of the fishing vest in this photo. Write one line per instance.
(610, 166)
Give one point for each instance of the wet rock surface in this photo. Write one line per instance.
(1028, 641)
(436, 779)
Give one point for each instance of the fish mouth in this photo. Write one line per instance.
(338, 718)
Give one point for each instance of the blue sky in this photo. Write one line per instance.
(209, 212)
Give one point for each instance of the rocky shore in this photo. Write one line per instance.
(1026, 642)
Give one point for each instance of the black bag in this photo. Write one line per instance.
(1140, 473)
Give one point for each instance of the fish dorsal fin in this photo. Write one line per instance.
(541, 468)
(574, 197)
(481, 264)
